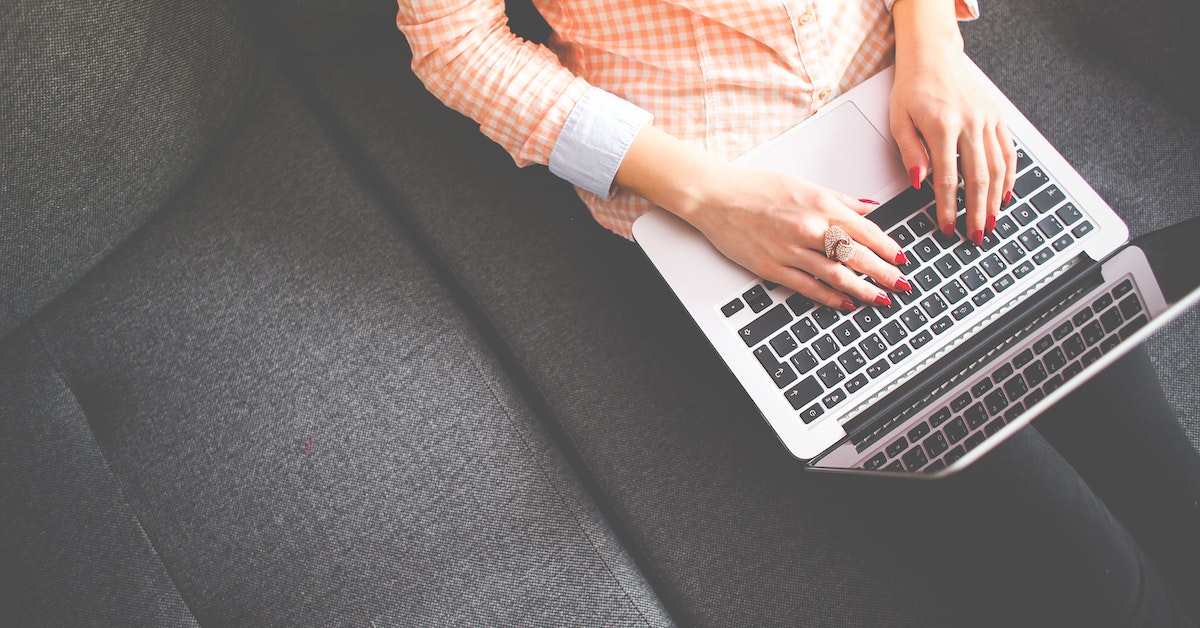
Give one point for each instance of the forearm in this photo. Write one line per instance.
(669, 172)
(925, 30)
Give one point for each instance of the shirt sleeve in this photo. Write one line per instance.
(518, 91)
(963, 9)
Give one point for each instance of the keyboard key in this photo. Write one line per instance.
(1012, 252)
(765, 325)
(911, 266)
(953, 291)
(899, 353)
(996, 402)
(1024, 214)
(1002, 373)
(918, 432)
(956, 430)
(811, 413)
(920, 224)
(826, 316)
(1047, 199)
(973, 441)
(990, 241)
(1031, 240)
(954, 455)
(1034, 374)
(872, 346)
(932, 304)
(780, 373)
(913, 319)
(1043, 343)
(1003, 283)
(935, 445)
(902, 236)
(947, 265)
(1090, 357)
(1062, 242)
(1006, 227)
(1130, 306)
(1055, 360)
(1082, 316)
(981, 387)
(799, 304)
(1069, 214)
(1050, 226)
(757, 298)
(1122, 289)
(911, 295)
(944, 241)
(834, 398)
(852, 360)
(825, 347)
(993, 265)
(805, 330)
(962, 311)
(830, 375)
(733, 307)
(804, 361)
(926, 250)
(1082, 229)
(1074, 346)
(1043, 256)
(878, 368)
(804, 392)
(1023, 160)
(1092, 333)
(941, 325)
(915, 459)
(1022, 269)
(893, 333)
(966, 253)
(897, 447)
(928, 279)
(1015, 388)
(993, 427)
(1099, 305)
(853, 385)
(846, 333)
(921, 339)
(939, 417)
(1030, 182)
(973, 278)
(867, 319)
(960, 402)
(976, 415)
(784, 344)
(983, 296)
(770, 285)
(1063, 330)
(1015, 411)
(875, 462)
(1052, 384)
(1110, 343)
(1023, 358)
(1111, 320)
(1133, 326)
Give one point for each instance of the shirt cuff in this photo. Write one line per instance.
(594, 139)
(963, 9)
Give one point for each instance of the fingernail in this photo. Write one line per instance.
(915, 174)
(991, 223)
(948, 230)
(1007, 198)
(883, 299)
(848, 305)
(902, 285)
(901, 259)
(868, 201)
(977, 237)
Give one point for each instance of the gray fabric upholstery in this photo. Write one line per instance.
(109, 107)
(73, 550)
(723, 519)
(304, 425)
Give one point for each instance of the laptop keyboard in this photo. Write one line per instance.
(817, 356)
(984, 404)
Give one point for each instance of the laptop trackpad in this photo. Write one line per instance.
(840, 150)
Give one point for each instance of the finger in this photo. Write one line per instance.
(841, 278)
(1010, 178)
(976, 181)
(998, 171)
(868, 234)
(811, 287)
(945, 179)
(912, 148)
(868, 263)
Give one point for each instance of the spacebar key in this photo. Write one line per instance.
(902, 207)
(765, 325)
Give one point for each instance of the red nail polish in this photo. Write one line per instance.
(948, 229)
(902, 285)
(1007, 198)
(901, 258)
(915, 174)
(991, 223)
(883, 299)
(977, 237)
(868, 201)
(848, 305)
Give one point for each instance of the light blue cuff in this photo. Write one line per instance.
(594, 140)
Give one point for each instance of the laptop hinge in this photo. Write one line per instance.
(898, 406)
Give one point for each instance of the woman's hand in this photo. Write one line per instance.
(944, 122)
(771, 224)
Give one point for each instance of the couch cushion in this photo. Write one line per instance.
(105, 109)
(305, 426)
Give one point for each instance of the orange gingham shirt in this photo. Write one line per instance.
(725, 75)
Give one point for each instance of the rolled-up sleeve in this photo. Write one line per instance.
(963, 9)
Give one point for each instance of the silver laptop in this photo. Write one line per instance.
(989, 337)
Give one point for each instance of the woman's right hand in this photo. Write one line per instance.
(771, 224)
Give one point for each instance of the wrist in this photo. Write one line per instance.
(926, 31)
(679, 177)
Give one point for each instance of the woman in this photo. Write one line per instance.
(642, 103)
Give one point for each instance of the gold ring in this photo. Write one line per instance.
(838, 244)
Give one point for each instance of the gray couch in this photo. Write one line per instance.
(283, 341)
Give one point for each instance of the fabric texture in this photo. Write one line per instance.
(307, 429)
(723, 76)
(731, 530)
(108, 109)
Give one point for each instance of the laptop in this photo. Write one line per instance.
(989, 337)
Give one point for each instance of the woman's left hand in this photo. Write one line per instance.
(939, 104)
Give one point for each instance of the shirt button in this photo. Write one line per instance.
(806, 18)
(823, 94)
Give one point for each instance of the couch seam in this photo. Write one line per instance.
(557, 490)
(38, 338)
